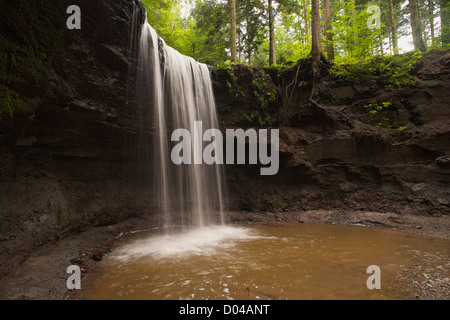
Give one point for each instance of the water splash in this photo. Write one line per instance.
(199, 241)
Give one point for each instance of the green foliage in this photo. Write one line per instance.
(261, 93)
(289, 46)
(205, 33)
(293, 41)
(253, 118)
(211, 30)
(445, 25)
(383, 115)
(394, 70)
(352, 38)
(374, 109)
(261, 57)
(232, 84)
(263, 97)
(251, 27)
(166, 17)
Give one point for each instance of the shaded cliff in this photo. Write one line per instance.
(66, 160)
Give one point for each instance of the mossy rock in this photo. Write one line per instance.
(31, 32)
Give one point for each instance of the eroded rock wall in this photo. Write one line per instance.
(335, 153)
(70, 163)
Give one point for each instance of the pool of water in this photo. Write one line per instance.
(289, 261)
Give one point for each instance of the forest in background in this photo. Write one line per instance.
(277, 32)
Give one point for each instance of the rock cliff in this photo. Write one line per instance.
(68, 163)
(360, 145)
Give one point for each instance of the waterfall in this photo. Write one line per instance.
(173, 91)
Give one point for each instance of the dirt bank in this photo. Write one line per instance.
(43, 274)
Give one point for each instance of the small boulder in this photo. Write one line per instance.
(443, 161)
(97, 255)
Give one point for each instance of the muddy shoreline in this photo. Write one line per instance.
(42, 276)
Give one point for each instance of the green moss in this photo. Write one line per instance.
(378, 116)
(245, 119)
(384, 115)
(31, 31)
(375, 108)
(277, 204)
(223, 108)
(253, 118)
(9, 101)
(282, 68)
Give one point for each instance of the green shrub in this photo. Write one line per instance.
(393, 70)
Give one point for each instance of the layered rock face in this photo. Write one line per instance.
(361, 145)
(73, 163)
(70, 164)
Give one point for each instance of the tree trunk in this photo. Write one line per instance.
(232, 4)
(315, 34)
(239, 48)
(381, 45)
(305, 15)
(272, 53)
(390, 42)
(354, 24)
(393, 27)
(328, 32)
(415, 26)
(445, 21)
(431, 15)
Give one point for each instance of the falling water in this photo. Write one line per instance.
(174, 91)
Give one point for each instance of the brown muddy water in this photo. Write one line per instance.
(289, 261)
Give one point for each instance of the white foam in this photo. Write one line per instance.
(201, 241)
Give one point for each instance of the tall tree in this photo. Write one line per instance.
(445, 21)
(305, 14)
(349, 25)
(212, 32)
(328, 31)
(416, 27)
(431, 17)
(233, 48)
(393, 26)
(354, 23)
(316, 47)
(252, 25)
(165, 17)
(272, 53)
